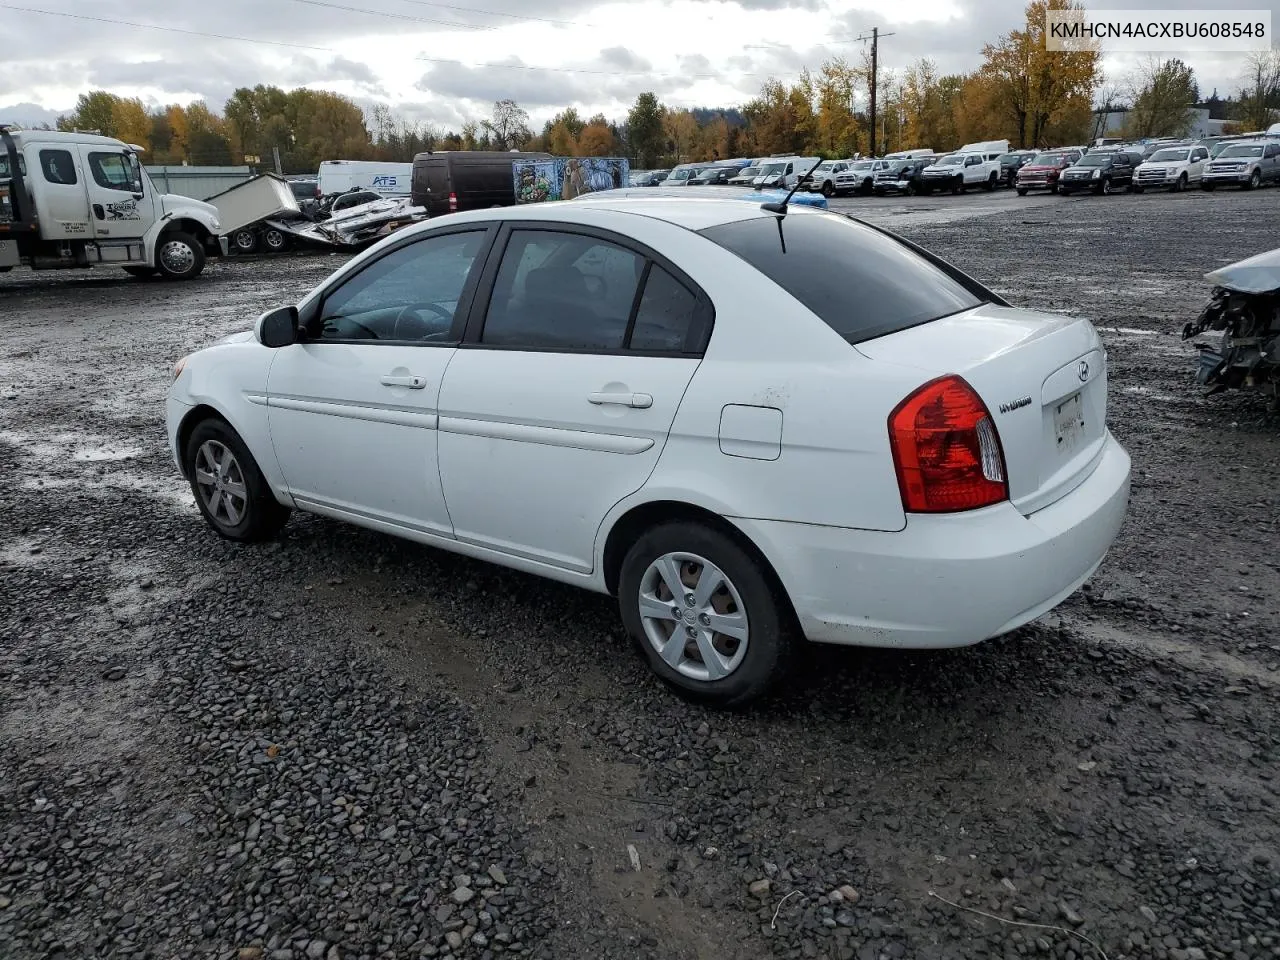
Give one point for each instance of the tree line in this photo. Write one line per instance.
(1021, 92)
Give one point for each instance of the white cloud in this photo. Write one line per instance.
(443, 63)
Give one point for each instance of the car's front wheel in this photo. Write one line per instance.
(1022, 191)
(705, 613)
(232, 493)
(827, 189)
(1255, 180)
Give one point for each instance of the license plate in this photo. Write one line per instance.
(1068, 422)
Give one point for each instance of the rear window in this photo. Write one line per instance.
(862, 283)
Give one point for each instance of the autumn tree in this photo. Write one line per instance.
(130, 121)
(928, 105)
(94, 110)
(1035, 87)
(1163, 93)
(682, 134)
(1255, 107)
(508, 127)
(597, 138)
(835, 130)
(645, 133)
(560, 134)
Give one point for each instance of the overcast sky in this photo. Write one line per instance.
(447, 62)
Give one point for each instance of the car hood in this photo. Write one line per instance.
(1258, 274)
(244, 336)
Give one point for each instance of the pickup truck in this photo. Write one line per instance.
(859, 177)
(1248, 164)
(79, 200)
(959, 171)
(1173, 168)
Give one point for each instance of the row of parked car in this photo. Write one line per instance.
(1248, 161)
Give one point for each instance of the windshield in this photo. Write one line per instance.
(954, 160)
(684, 174)
(771, 168)
(862, 165)
(1048, 160)
(1242, 150)
(1169, 156)
(1217, 148)
(859, 281)
(1095, 160)
(750, 171)
(824, 167)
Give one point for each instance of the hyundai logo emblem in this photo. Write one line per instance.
(1084, 370)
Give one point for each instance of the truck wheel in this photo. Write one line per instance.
(245, 241)
(277, 241)
(991, 182)
(1255, 180)
(957, 185)
(827, 189)
(179, 256)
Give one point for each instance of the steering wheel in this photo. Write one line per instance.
(411, 325)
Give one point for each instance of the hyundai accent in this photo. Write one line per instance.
(752, 425)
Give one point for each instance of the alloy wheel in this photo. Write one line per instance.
(221, 483)
(177, 257)
(693, 616)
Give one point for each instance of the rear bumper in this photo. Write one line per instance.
(947, 580)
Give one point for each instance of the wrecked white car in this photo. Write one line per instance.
(1245, 306)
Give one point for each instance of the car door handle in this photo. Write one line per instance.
(639, 400)
(413, 383)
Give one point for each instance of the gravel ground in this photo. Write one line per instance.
(341, 745)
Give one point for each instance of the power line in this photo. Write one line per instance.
(436, 60)
(396, 16)
(499, 13)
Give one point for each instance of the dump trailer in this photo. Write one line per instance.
(252, 212)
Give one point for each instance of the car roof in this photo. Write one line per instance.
(58, 136)
(684, 207)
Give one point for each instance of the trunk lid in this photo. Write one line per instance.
(1042, 377)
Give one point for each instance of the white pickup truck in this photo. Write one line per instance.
(959, 171)
(79, 200)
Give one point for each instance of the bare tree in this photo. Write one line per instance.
(509, 126)
(1260, 90)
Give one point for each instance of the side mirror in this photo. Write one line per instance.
(278, 327)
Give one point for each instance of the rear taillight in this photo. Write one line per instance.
(453, 203)
(946, 450)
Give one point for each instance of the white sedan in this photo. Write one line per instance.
(751, 427)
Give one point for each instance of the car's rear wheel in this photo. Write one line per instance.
(705, 613)
(230, 490)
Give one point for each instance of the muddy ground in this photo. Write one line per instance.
(342, 745)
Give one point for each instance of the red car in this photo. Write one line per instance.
(1043, 171)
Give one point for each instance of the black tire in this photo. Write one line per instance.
(276, 241)
(957, 186)
(866, 187)
(1255, 180)
(1207, 187)
(770, 632)
(911, 189)
(141, 272)
(990, 185)
(1180, 184)
(828, 190)
(1104, 188)
(246, 241)
(1138, 189)
(190, 264)
(262, 515)
(1022, 191)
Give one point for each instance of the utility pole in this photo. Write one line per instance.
(875, 69)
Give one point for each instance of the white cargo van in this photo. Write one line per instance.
(386, 179)
(79, 200)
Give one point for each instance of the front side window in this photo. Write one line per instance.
(409, 295)
(115, 171)
(58, 167)
(860, 282)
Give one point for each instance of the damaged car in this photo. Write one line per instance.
(1245, 306)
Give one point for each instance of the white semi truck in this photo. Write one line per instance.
(80, 200)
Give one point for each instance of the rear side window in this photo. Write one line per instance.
(860, 282)
(666, 316)
(58, 166)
